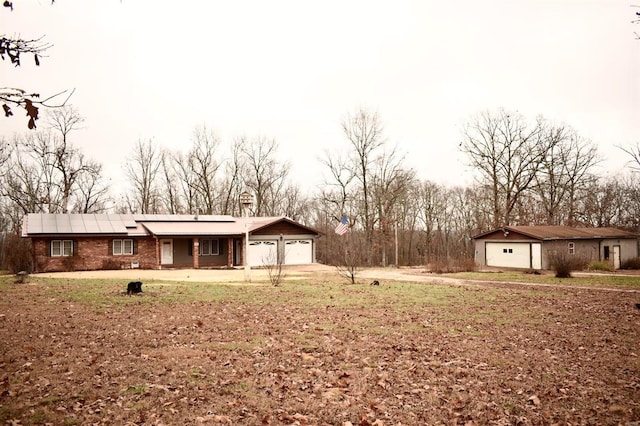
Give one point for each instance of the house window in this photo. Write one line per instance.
(572, 248)
(61, 247)
(209, 247)
(121, 247)
(606, 252)
(507, 250)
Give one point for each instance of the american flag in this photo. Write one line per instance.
(343, 226)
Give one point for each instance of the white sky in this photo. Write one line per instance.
(291, 70)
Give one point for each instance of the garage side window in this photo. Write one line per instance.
(61, 248)
(209, 247)
(121, 247)
(572, 248)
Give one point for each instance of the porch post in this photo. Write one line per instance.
(230, 252)
(195, 250)
(158, 264)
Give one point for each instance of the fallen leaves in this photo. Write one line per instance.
(274, 363)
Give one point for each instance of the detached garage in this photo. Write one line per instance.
(529, 247)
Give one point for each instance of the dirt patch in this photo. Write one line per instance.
(316, 354)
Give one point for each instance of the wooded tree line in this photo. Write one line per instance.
(527, 172)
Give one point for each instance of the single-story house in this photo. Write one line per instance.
(531, 246)
(64, 242)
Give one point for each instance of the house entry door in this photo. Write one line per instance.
(616, 257)
(166, 252)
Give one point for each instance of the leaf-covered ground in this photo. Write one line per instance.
(318, 353)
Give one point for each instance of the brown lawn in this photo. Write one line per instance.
(316, 351)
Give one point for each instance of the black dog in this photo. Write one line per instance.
(376, 282)
(134, 287)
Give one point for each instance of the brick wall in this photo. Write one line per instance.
(93, 254)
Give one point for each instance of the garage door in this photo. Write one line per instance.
(508, 255)
(262, 253)
(298, 252)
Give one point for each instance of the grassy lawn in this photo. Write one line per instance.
(318, 351)
(578, 279)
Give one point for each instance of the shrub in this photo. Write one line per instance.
(563, 263)
(600, 266)
(70, 263)
(631, 263)
(111, 264)
(17, 254)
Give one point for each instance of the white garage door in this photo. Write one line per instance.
(262, 253)
(508, 255)
(298, 252)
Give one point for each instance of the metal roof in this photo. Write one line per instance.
(36, 224)
(550, 232)
(194, 228)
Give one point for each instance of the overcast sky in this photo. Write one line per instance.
(291, 70)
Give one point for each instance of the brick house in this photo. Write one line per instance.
(531, 246)
(65, 242)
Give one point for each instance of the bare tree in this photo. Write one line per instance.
(142, 170)
(634, 153)
(69, 162)
(266, 176)
(338, 188)
(204, 166)
(432, 205)
(170, 181)
(507, 153)
(45, 167)
(293, 204)
(45, 173)
(92, 194)
(27, 181)
(389, 184)
(563, 172)
(231, 183)
(602, 203)
(364, 131)
(348, 255)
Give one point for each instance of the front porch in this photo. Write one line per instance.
(199, 252)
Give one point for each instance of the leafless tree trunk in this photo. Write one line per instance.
(364, 132)
(231, 182)
(69, 162)
(432, 206)
(170, 196)
(390, 183)
(204, 166)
